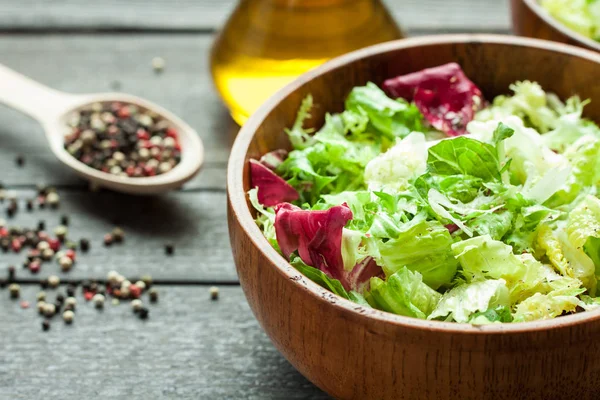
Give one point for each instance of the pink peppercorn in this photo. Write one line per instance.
(71, 254)
(143, 134)
(54, 244)
(172, 132)
(134, 291)
(124, 112)
(34, 267)
(130, 170)
(16, 245)
(24, 304)
(88, 296)
(3, 232)
(43, 236)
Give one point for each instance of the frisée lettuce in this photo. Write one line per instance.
(424, 200)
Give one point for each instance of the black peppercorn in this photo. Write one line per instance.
(143, 313)
(45, 325)
(44, 283)
(169, 248)
(64, 220)
(60, 298)
(84, 244)
(11, 273)
(29, 205)
(71, 290)
(20, 160)
(41, 226)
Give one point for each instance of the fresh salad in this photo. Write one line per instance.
(581, 16)
(424, 200)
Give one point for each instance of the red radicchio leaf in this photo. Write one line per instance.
(272, 189)
(444, 95)
(317, 235)
(273, 159)
(358, 279)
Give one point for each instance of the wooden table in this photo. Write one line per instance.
(190, 347)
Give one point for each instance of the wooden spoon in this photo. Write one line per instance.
(51, 108)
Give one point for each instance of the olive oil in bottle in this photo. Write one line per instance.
(266, 44)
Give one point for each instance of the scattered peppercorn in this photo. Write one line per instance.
(169, 249)
(41, 296)
(70, 290)
(29, 205)
(84, 244)
(143, 313)
(45, 325)
(49, 310)
(98, 301)
(20, 160)
(24, 304)
(53, 199)
(214, 293)
(11, 273)
(64, 220)
(153, 295)
(108, 239)
(68, 316)
(53, 281)
(136, 305)
(15, 290)
(118, 234)
(61, 232)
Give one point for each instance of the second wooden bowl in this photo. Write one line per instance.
(531, 20)
(356, 353)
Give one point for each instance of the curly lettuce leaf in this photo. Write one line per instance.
(403, 293)
(492, 315)
(401, 164)
(392, 118)
(461, 302)
(580, 16)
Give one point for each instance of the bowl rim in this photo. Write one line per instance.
(535, 7)
(241, 212)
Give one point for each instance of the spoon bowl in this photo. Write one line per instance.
(52, 109)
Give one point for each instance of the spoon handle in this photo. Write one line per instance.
(31, 97)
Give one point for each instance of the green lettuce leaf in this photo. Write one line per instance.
(491, 315)
(544, 306)
(400, 165)
(403, 293)
(464, 156)
(424, 247)
(392, 118)
(461, 302)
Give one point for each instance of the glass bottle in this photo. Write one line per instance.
(265, 44)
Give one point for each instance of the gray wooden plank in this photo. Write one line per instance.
(89, 63)
(210, 14)
(194, 221)
(189, 348)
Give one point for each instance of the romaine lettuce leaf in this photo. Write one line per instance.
(403, 293)
(544, 306)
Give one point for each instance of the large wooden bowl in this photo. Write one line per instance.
(531, 20)
(357, 353)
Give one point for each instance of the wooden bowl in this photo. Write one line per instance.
(530, 19)
(357, 353)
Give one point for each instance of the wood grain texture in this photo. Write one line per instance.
(189, 348)
(357, 353)
(193, 221)
(457, 15)
(67, 62)
(529, 19)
